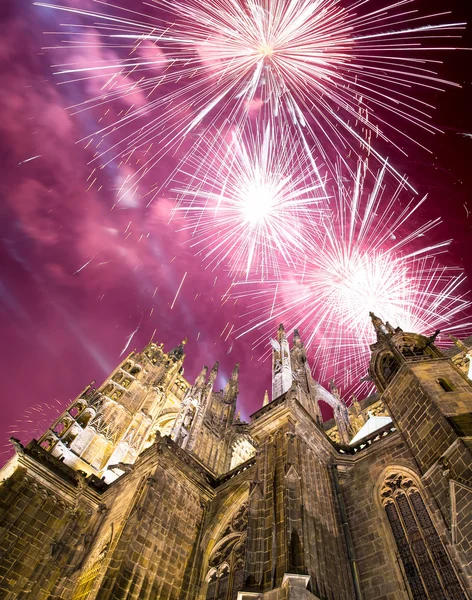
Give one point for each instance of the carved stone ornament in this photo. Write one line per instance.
(395, 482)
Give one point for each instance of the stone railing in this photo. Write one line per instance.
(367, 441)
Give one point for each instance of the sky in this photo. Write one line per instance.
(79, 275)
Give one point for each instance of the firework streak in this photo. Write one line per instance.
(366, 257)
(342, 74)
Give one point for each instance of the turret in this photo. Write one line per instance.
(213, 374)
(231, 391)
(266, 399)
(177, 353)
(341, 414)
(395, 347)
(201, 378)
(281, 367)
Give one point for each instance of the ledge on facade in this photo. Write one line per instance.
(236, 471)
(268, 407)
(367, 441)
(45, 458)
(364, 404)
(185, 457)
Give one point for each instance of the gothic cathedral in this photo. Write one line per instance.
(149, 487)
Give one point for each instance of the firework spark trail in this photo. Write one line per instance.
(128, 341)
(250, 209)
(27, 160)
(369, 259)
(340, 75)
(178, 290)
(83, 266)
(33, 423)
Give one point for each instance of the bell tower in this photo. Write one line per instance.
(111, 424)
(281, 367)
(430, 401)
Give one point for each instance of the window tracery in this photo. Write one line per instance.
(226, 575)
(427, 566)
(388, 367)
(241, 451)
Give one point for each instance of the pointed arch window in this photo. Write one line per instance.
(426, 564)
(388, 367)
(226, 576)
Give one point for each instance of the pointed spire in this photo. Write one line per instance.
(235, 373)
(201, 378)
(232, 389)
(266, 399)
(280, 333)
(213, 373)
(177, 353)
(334, 389)
(379, 325)
(341, 416)
(296, 338)
(457, 342)
(432, 338)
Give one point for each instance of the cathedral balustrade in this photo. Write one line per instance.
(268, 407)
(236, 471)
(366, 442)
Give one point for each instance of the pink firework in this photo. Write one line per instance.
(342, 74)
(369, 258)
(251, 209)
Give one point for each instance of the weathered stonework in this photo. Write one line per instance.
(149, 487)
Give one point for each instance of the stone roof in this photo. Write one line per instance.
(453, 350)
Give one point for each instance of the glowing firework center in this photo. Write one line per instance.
(257, 203)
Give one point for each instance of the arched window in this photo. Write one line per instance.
(108, 389)
(241, 451)
(48, 443)
(85, 417)
(388, 367)
(426, 564)
(445, 384)
(226, 576)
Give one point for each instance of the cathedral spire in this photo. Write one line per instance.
(281, 364)
(232, 389)
(458, 343)
(178, 353)
(280, 332)
(296, 338)
(380, 328)
(201, 378)
(266, 399)
(213, 373)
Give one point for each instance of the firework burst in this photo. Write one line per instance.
(253, 207)
(342, 75)
(32, 424)
(369, 258)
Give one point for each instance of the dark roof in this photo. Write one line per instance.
(453, 350)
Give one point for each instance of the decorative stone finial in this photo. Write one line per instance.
(379, 325)
(266, 398)
(201, 378)
(213, 373)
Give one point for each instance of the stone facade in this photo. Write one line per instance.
(149, 487)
